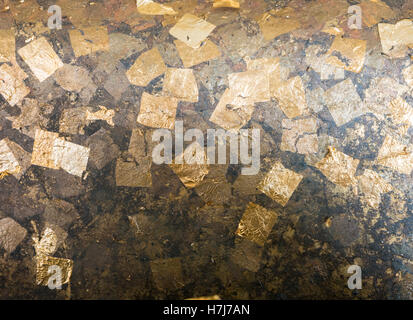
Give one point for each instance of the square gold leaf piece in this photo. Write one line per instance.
(157, 112)
(89, 40)
(180, 84)
(191, 57)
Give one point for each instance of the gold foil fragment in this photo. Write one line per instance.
(180, 84)
(291, 97)
(43, 263)
(191, 57)
(53, 152)
(280, 183)
(299, 136)
(157, 112)
(89, 40)
(232, 112)
(41, 58)
(256, 223)
(343, 102)
(396, 156)
(252, 84)
(373, 11)
(348, 54)
(401, 112)
(338, 167)
(8, 162)
(72, 121)
(190, 166)
(318, 61)
(372, 186)
(148, 7)
(272, 27)
(134, 173)
(226, 4)
(72, 78)
(7, 45)
(191, 30)
(102, 114)
(12, 86)
(408, 75)
(396, 38)
(48, 242)
(147, 67)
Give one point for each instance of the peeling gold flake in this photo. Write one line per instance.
(191, 57)
(280, 183)
(192, 30)
(8, 163)
(89, 40)
(291, 97)
(41, 58)
(147, 67)
(396, 38)
(348, 54)
(157, 112)
(401, 112)
(338, 167)
(180, 84)
(256, 223)
(396, 156)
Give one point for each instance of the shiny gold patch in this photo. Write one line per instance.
(89, 40)
(180, 84)
(372, 186)
(12, 86)
(226, 4)
(252, 84)
(7, 45)
(272, 27)
(396, 38)
(291, 97)
(348, 54)
(157, 112)
(148, 7)
(299, 136)
(43, 263)
(408, 75)
(191, 57)
(396, 156)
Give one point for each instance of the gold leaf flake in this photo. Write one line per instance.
(191, 30)
(47, 244)
(299, 136)
(43, 149)
(147, 67)
(373, 11)
(72, 121)
(190, 166)
(401, 112)
(89, 40)
(226, 4)
(43, 263)
(318, 61)
(7, 45)
(41, 58)
(256, 223)
(396, 38)
(351, 54)
(133, 174)
(372, 186)
(408, 75)
(157, 112)
(291, 97)
(395, 155)
(72, 78)
(180, 84)
(102, 114)
(280, 183)
(148, 7)
(338, 167)
(251, 84)
(8, 162)
(12, 86)
(191, 57)
(338, 99)
(232, 112)
(272, 27)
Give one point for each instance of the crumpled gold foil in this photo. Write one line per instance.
(43, 149)
(232, 112)
(7, 45)
(338, 99)
(148, 7)
(253, 84)
(51, 238)
(226, 4)
(338, 167)
(41, 58)
(43, 263)
(157, 112)
(102, 114)
(147, 67)
(351, 53)
(180, 84)
(408, 75)
(89, 40)
(256, 223)
(396, 156)
(191, 30)
(280, 183)
(134, 173)
(291, 97)
(272, 27)
(299, 136)
(191, 57)
(191, 174)
(372, 186)
(396, 38)
(14, 160)
(12, 86)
